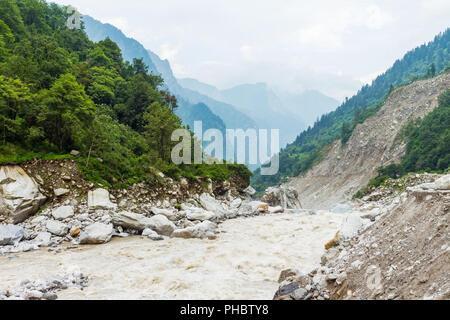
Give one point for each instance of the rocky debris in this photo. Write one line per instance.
(20, 196)
(210, 204)
(99, 199)
(443, 183)
(149, 233)
(287, 198)
(96, 233)
(204, 230)
(45, 289)
(63, 212)
(57, 228)
(402, 253)
(10, 234)
(43, 239)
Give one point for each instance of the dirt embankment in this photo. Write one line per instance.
(346, 169)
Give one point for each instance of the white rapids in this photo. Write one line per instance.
(244, 262)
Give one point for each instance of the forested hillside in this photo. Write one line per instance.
(297, 158)
(59, 92)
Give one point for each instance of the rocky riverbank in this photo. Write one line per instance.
(393, 245)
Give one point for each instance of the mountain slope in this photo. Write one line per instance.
(347, 168)
(298, 157)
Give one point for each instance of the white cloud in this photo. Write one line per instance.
(247, 53)
(166, 51)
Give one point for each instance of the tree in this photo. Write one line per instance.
(160, 123)
(66, 112)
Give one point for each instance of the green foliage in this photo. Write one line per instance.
(305, 151)
(59, 91)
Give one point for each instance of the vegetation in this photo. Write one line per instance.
(428, 147)
(59, 92)
(297, 158)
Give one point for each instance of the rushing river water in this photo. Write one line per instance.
(244, 262)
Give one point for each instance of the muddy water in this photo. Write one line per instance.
(243, 263)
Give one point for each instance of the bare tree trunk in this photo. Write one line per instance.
(89, 154)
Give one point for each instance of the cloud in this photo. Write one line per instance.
(247, 53)
(166, 51)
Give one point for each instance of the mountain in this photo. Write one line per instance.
(310, 146)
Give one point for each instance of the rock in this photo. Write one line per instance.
(201, 231)
(43, 239)
(251, 207)
(210, 204)
(161, 225)
(287, 274)
(199, 214)
(49, 296)
(236, 203)
(288, 289)
(169, 214)
(62, 213)
(75, 153)
(75, 233)
(299, 294)
(131, 220)
(263, 208)
(443, 183)
(96, 233)
(285, 197)
(341, 208)
(350, 227)
(149, 233)
(19, 194)
(250, 191)
(10, 234)
(57, 228)
(278, 209)
(98, 199)
(61, 192)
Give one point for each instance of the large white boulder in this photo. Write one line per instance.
(57, 228)
(350, 227)
(131, 220)
(96, 233)
(283, 196)
(443, 183)
(211, 204)
(149, 233)
(10, 234)
(199, 214)
(201, 231)
(63, 212)
(168, 213)
(19, 194)
(161, 225)
(43, 239)
(98, 199)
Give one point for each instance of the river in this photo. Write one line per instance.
(244, 262)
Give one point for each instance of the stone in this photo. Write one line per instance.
(250, 191)
(43, 239)
(131, 220)
(287, 274)
(443, 183)
(57, 228)
(96, 233)
(63, 212)
(274, 210)
(199, 214)
(202, 230)
(161, 225)
(75, 153)
(210, 204)
(10, 234)
(288, 289)
(49, 296)
(61, 192)
(299, 294)
(19, 194)
(351, 226)
(169, 214)
(263, 208)
(286, 197)
(98, 199)
(75, 233)
(149, 233)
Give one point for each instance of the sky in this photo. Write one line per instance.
(293, 45)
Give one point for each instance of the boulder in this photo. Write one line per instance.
(161, 225)
(96, 233)
(194, 214)
(169, 214)
(19, 194)
(131, 220)
(10, 234)
(285, 197)
(250, 191)
(443, 183)
(350, 227)
(149, 233)
(61, 192)
(278, 209)
(201, 231)
(210, 204)
(43, 239)
(98, 199)
(62, 213)
(57, 228)
(251, 207)
(75, 153)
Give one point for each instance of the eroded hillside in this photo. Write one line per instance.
(347, 168)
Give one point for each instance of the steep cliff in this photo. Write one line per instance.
(346, 168)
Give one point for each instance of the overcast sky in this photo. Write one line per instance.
(327, 45)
